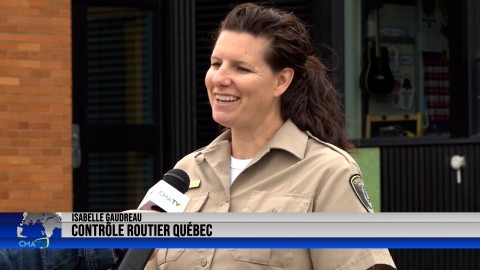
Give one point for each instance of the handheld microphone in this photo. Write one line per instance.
(166, 196)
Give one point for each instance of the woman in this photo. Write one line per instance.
(283, 148)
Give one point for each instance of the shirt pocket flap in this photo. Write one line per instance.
(271, 257)
(167, 255)
(196, 202)
(264, 201)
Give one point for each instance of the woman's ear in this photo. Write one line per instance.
(284, 79)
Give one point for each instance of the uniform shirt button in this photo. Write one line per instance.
(204, 262)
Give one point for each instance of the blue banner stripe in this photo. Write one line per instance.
(394, 243)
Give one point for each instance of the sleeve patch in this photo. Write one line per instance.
(359, 189)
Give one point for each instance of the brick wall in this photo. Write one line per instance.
(35, 105)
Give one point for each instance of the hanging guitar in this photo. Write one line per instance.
(376, 77)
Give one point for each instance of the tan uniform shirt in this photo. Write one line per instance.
(294, 173)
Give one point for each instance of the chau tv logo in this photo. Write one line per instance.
(38, 228)
(170, 199)
(37, 243)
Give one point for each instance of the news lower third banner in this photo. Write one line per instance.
(240, 230)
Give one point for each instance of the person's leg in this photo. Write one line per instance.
(98, 258)
(90, 259)
(20, 259)
(49, 259)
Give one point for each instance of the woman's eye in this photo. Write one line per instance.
(215, 64)
(242, 69)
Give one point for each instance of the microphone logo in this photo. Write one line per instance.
(170, 199)
(168, 194)
(166, 197)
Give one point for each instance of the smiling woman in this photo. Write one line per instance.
(243, 89)
(283, 149)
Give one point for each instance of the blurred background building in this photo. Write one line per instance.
(99, 98)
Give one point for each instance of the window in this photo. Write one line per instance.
(415, 43)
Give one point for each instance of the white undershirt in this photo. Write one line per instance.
(237, 166)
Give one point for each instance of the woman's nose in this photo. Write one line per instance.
(221, 77)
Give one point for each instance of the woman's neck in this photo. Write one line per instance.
(247, 142)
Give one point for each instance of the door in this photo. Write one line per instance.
(116, 103)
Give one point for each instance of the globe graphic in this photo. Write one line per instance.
(40, 225)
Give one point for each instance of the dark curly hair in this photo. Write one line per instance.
(311, 101)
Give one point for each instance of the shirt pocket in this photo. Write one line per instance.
(264, 201)
(196, 202)
(168, 255)
(270, 257)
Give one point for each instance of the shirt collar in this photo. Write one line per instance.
(288, 138)
(291, 139)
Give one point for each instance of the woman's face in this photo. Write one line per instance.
(243, 90)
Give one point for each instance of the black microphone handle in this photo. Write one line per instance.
(135, 259)
(157, 208)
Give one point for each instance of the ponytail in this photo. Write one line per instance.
(314, 105)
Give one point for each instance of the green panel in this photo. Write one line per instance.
(369, 161)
